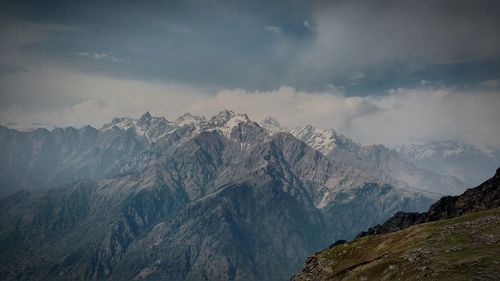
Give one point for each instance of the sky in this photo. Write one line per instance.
(389, 72)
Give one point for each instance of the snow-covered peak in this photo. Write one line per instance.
(145, 118)
(190, 119)
(155, 128)
(227, 127)
(148, 126)
(126, 123)
(324, 140)
(226, 120)
(222, 117)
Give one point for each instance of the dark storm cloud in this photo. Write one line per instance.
(399, 42)
(219, 43)
(266, 44)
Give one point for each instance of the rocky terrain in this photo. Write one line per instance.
(463, 248)
(193, 199)
(457, 239)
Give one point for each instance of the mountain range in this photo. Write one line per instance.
(220, 198)
(455, 158)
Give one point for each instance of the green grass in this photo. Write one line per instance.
(462, 248)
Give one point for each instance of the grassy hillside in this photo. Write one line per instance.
(463, 248)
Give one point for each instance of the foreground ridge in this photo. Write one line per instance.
(460, 242)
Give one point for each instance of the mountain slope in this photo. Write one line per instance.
(374, 160)
(463, 248)
(209, 199)
(460, 241)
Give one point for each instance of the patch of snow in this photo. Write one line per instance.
(234, 121)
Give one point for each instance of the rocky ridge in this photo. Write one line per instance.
(375, 160)
(456, 239)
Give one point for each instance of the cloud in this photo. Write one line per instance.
(400, 116)
(309, 25)
(357, 76)
(493, 83)
(367, 31)
(389, 39)
(315, 43)
(273, 29)
(100, 56)
(16, 34)
(6, 69)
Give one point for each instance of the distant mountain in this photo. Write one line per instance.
(375, 160)
(462, 248)
(464, 161)
(192, 199)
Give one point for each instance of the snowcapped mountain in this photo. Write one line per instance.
(156, 128)
(323, 140)
(43, 158)
(375, 160)
(464, 161)
(188, 199)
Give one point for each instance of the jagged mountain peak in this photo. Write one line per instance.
(222, 117)
(146, 117)
(186, 126)
(324, 140)
(190, 119)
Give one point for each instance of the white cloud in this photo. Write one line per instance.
(273, 29)
(100, 56)
(400, 116)
(309, 25)
(493, 83)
